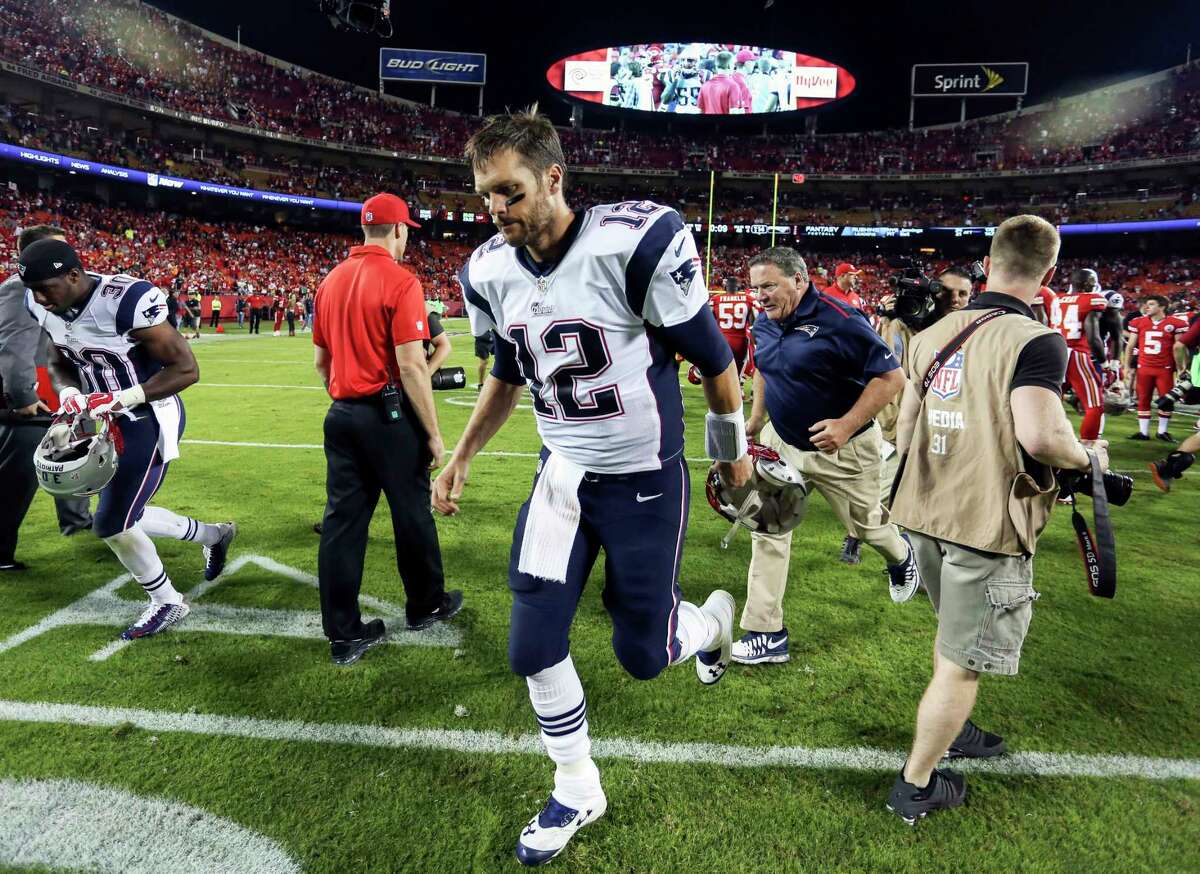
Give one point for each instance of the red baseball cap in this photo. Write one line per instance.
(386, 209)
(844, 268)
(746, 55)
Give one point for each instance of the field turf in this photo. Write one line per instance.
(1098, 678)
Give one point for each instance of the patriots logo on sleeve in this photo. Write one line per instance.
(152, 311)
(684, 274)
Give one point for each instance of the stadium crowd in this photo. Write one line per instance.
(210, 256)
(181, 252)
(735, 203)
(133, 49)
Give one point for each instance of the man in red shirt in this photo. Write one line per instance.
(381, 432)
(1077, 318)
(1153, 335)
(723, 94)
(845, 285)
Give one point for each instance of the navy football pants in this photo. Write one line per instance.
(639, 521)
(140, 473)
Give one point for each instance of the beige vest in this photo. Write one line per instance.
(965, 478)
(889, 330)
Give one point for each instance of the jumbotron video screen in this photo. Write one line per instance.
(701, 78)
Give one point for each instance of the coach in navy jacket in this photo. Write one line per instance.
(822, 373)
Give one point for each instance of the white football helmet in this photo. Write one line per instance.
(1116, 399)
(78, 456)
(774, 501)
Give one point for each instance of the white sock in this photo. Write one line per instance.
(137, 554)
(695, 630)
(1164, 422)
(1103, 422)
(577, 783)
(159, 522)
(561, 710)
(1144, 425)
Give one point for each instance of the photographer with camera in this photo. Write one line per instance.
(981, 430)
(917, 303)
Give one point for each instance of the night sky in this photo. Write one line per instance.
(1070, 45)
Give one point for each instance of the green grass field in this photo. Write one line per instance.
(410, 792)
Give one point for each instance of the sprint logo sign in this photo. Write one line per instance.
(970, 80)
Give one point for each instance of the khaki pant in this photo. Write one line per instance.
(887, 476)
(849, 480)
(983, 602)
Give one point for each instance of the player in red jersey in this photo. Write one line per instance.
(1077, 318)
(735, 309)
(1153, 334)
(1042, 305)
(724, 94)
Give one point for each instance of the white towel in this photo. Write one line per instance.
(552, 521)
(168, 411)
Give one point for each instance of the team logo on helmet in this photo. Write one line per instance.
(947, 382)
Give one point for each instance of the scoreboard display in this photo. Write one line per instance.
(700, 78)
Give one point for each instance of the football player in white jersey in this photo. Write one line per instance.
(116, 354)
(589, 309)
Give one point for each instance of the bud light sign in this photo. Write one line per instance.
(419, 65)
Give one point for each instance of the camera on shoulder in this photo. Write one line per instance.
(915, 294)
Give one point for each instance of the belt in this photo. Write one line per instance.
(372, 400)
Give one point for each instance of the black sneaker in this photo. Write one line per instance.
(850, 550)
(1139, 436)
(318, 527)
(946, 789)
(347, 652)
(215, 555)
(13, 565)
(451, 603)
(1165, 437)
(975, 743)
(1169, 468)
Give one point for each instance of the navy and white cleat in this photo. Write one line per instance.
(762, 648)
(215, 555)
(551, 830)
(711, 664)
(905, 578)
(156, 619)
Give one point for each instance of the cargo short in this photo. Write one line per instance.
(983, 601)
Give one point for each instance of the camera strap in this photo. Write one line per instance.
(1099, 551)
(939, 361)
(951, 348)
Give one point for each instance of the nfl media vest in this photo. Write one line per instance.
(965, 478)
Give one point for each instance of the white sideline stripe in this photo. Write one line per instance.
(255, 385)
(491, 742)
(493, 453)
(102, 607)
(71, 825)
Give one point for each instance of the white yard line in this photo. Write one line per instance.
(494, 454)
(632, 749)
(102, 607)
(256, 385)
